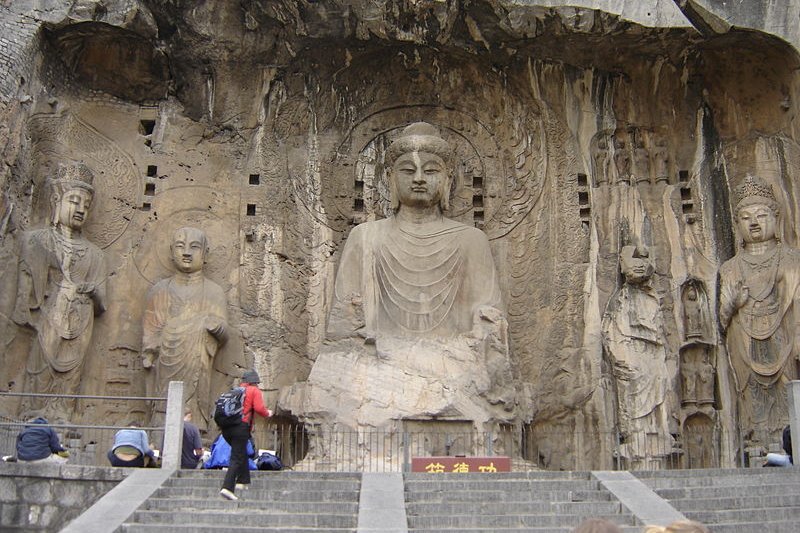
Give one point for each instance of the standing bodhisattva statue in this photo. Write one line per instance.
(62, 287)
(416, 273)
(758, 306)
(635, 348)
(185, 323)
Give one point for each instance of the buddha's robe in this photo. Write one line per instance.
(175, 328)
(405, 279)
(633, 338)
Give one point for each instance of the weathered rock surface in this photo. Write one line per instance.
(264, 123)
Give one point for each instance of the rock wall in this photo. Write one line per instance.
(44, 498)
(263, 123)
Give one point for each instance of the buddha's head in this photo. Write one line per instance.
(189, 249)
(636, 264)
(756, 211)
(71, 195)
(419, 163)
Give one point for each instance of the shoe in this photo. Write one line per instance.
(242, 486)
(228, 495)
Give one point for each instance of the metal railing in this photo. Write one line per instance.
(316, 447)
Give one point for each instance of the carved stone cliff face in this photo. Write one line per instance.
(580, 129)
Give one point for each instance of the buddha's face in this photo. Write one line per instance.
(419, 178)
(757, 223)
(72, 207)
(636, 269)
(189, 250)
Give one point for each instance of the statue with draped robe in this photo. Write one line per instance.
(185, 324)
(758, 303)
(61, 288)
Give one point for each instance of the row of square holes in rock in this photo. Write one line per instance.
(150, 189)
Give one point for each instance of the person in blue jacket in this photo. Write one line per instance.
(221, 455)
(131, 448)
(38, 442)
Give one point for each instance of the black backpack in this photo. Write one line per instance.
(228, 407)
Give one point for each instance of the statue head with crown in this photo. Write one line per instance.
(756, 212)
(71, 195)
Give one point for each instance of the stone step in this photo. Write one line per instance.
(785, 526)
(532, 475)
(713, 472)
(221, 526)
(727, 516)
(509, 496)
(267, 474)
(727, 492)
(246, 502)
(777, 478)
(263, 495)
(271, 484)
(495, 521)
(463, 508)
(544, 529)
(499, 484)
(250, 517)
(738, 502)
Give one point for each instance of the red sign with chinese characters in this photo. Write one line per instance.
(462, 465)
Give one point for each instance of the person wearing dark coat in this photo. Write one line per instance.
(38, 442)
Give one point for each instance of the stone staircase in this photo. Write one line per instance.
(541, 502)
(276, 502)
(744, 500)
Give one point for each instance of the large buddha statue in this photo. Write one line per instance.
(758, 293)
(185, 324)
(416, 329)
(416, 273)
(62, 287)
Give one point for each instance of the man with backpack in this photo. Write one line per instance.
(237, 433)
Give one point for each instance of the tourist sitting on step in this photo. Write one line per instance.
(131, 448)
(780, 459)
(38, 442)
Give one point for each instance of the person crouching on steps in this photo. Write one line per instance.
(238, 474)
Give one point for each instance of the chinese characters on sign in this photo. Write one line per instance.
(445, 464)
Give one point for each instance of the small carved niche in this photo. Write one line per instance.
(254, 179)
(251, 210)
(147, 123)
(477, 201)
(584, 206)
(687, 197)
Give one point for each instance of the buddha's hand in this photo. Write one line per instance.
(148, 358)
(86, 288)
(214, 325)
(742, 295)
